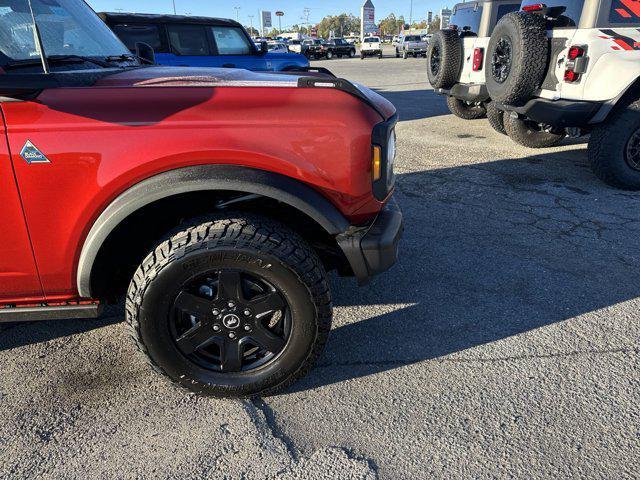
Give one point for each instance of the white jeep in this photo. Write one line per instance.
(456, 59)
(572, 66)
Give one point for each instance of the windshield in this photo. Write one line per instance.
(67, 27)
(412, 38)
(467, 18)
(372, 40)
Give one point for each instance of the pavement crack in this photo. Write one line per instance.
(404, 362)
(267, 421)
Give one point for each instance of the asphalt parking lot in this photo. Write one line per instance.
(503, 345)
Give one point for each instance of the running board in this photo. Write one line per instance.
(33, 314)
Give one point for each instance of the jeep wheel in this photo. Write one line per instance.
(495, 117)
(464, 110)
(444, 59)
(614, 148)
(397, 53)
(329, 55)
(231, 307)
(517, 57)
(531, 134)
(352, 53)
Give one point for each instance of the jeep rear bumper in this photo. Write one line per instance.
(469, 93)
(557, 113)
(373, 250)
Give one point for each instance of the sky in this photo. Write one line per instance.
(293, 9)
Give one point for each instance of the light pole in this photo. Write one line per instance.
(411, 15)
(237, 14)
(251, 20)
(175, 12)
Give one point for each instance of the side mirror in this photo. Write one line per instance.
(264, 48)
(145, 53)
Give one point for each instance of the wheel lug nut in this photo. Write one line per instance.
(247, 328)
(247, 313)
(216, 312)
(232, 335)
(216, 328)
(231, 304)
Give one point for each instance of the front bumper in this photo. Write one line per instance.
(557, 113)
(373, 250)
(371, 52)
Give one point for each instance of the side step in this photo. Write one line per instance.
(65, 312)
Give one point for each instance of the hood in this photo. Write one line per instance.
(196, 77)
(230, 77)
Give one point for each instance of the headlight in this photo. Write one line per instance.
(383, 155)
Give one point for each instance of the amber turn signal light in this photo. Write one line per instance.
(376, 163)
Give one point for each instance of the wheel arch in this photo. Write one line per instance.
(629, 94)
(163, 188)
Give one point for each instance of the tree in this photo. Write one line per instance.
(391, 25)
(253, 31)
(341, 25)
(434, 26)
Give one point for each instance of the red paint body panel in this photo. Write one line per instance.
(102, 140)
(18, 275)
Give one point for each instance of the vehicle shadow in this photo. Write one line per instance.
(490, 251)
(430, 104)
(16, 335)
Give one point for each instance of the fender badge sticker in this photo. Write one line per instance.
(31, 154)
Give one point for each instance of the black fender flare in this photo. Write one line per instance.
(201, 178)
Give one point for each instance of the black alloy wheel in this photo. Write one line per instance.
(230, 321)
(632, 154)
(502, 60)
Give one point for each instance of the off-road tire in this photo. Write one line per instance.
(397, 53)
(495, 117)
(329, 55)
(526, 34)
(462, 109)
(447, 46)
(352, 53)
(608, 147)
(524, 133)
(248, 244)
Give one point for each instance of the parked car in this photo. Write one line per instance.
(456, 59)
(278, 47)
(411, 46)
(201, 195)
(199, 42)
(341, 48)
(317, 48)
(572, 66)
(371, 46)
(295, 46)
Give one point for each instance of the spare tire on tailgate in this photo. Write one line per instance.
(517, 58)
(444, 59)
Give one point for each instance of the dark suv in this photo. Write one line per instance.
(199, 42)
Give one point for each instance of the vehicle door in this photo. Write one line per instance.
(153, 34)
(235, 48)
(19, 280)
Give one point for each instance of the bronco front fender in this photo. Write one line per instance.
(203, 178)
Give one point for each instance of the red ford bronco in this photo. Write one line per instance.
(215, 201)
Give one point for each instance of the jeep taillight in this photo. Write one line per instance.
(478, 59)
(576, 64)
(535, 8)
(575, 52)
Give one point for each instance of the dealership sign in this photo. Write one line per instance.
(368, 19)
(266, 20)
